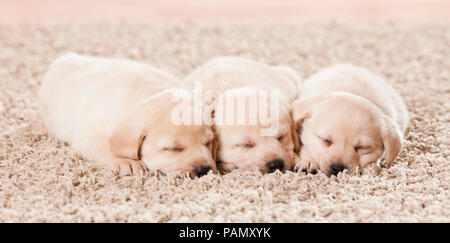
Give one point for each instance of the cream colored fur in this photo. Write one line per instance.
(118, 113)
(348, 117)
(243, 146)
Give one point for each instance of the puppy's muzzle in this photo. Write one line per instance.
(201, 170)
(273, 165)
(335, 168)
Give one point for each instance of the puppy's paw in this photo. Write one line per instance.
(128, 167)
(371, 169)
(308, 166)
(295, 159)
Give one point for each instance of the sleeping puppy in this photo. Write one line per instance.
(348, 118)
(244, 144)
(118, 113)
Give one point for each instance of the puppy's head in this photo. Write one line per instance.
(150, 134)
(244, 144)
(345, 131)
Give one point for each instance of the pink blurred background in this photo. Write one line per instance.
(142, 10)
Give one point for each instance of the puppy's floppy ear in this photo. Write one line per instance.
(215, 144)
(392, 140)
(127, 139)
(301, 109)
(295, 138)
(215, 147)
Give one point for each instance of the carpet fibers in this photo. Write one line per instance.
(42, 180)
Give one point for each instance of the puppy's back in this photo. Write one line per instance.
(81, 92)
(227, 73)
(361, 82)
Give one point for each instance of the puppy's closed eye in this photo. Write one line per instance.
(176, 149)
(326, 141)
(361, 148)
(281, 137)
(246, 145)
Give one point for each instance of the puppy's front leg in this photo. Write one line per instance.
(127, 167)
(295, 159)
(307, 163)
(97, 148)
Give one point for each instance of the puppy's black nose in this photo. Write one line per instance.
(273, 165)
(336, 167)
(202, 170)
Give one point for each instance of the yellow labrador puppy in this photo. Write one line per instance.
(245, 139)
(118, 113)
(348, 118)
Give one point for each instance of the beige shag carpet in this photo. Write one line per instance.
(42, 180)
